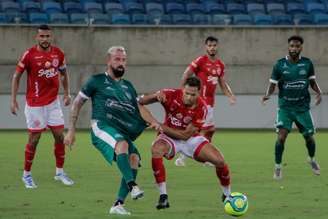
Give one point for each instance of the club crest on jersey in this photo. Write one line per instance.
(55, 63)
(187, 119)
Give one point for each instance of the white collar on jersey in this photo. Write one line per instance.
(288, 56)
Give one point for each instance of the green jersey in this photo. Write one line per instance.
(114, 103)
(293, 83)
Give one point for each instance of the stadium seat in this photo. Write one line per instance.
(295, 8)
(214, 8)
(93, 7)
(98, 18)
(29, 6)
(221, 19)
(139, 19)
(10, 7)
(283, 20)
(3, 18)
(120, 19)
(51, 7)
(38, 18)
(195, 8)
(133, 7)
(201, 19)
(114, 8)
(79, 18)
(320, 19)
(17, 17)
(154, 9)
(303, 19)
(235, 8)
(58, 18)
(275, 8)
(255, 8)
(175, 8)
(260, 19)
(242, 19)
(181, 19)
(316, 8)
(72, 7)
(160, 19)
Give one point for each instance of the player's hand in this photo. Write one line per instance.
(264, 99)
(318, 99)
(161, 96)
(67, 100)
(156, 126)
(232, 100)
(69, 139)
(191, 129)
(14, 107)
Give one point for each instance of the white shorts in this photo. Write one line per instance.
(190, 148)
(209, 121)
(40, 117)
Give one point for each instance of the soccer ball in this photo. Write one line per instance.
(236, 204)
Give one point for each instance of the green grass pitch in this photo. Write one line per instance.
(193, 190)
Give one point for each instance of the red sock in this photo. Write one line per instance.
(60, 155)
(209, 135)
(223, 175)
(29, 156)
(158, 169)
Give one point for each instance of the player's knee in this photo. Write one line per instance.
(309, 139)
(121, 147)
(157, 149)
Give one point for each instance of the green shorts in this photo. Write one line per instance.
(105, 137)
(303, 121)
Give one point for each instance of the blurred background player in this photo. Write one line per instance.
(211, 70)
(117, 120)
(45, 66)
(293, 74)
(185, 113)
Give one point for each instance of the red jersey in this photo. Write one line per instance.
(209, 72)
(177, 115)
(42, 69)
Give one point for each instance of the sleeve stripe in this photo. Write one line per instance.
(193, 64)
(273, 81)
(20, 64)
(83, 95)
(312, 77)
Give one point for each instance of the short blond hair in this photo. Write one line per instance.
(114, 49)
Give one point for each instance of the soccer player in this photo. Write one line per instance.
(117, 120)
(45, 66)
(211, 70)
(185, 115)
(293, 74)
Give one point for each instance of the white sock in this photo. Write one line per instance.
(278, 166)
(26, 173)
(59, 170)
(162, 188)
(226, 190)
(182, 156)
(311, 159)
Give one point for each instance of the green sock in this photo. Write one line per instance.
(123, 164)
(124, 189)
(279, 149)
(310, 145)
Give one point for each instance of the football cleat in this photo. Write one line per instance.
(28, 182)
(315, 167)
(119, 209)
(136, 193)
(277, 174)
(64, 179)
(163, 202)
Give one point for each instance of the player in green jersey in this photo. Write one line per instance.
(117, 120)
(293, 75)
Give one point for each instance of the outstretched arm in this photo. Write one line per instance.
(186, 74)
(14, 89)
(227, 90)
(314, 85)
(149, 118)
(268, 92)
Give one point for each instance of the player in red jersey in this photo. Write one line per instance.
(211, 70)
(45, 66)
(185, 115)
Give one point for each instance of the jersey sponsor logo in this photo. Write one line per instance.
(121, 106)
(285, 72)
(301, 65)
(212, 79)
(55, 63)
(295, 85)
(48, 73)
(175, 121)
(302, 72)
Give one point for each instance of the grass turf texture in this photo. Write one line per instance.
(193, 190)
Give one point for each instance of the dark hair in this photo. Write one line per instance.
(193, 81)
(44, 27)
(211, 38)
(296, 38)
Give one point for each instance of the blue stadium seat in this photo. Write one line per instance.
(283, 20)
(181, 19)
(139, 19)
(114, 8)
(221, 19)
(303, 19)
(29, 6)
(10, 7)
(93, 7)
(263, 19)
(242, 19)
(133, 7)
(253, 1)
(17, 17)
(175, 8)
(120, 19)
(195, 8)
(320, 19)
(3, 18)
(98, 18)
(79, 18)
(201, 19)
(234, 8)
(154, 9)
(51, 7)
(295, 8)
(214, 8)
(38, 18)
(174, 1)
(58, 18)
(316, 8)
(160, 19)
(276, 8)
(255, 8)
(72, 7)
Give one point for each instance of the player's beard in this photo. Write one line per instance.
(211, 53)
(118, 72)
(44, 45)
(294, 55)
